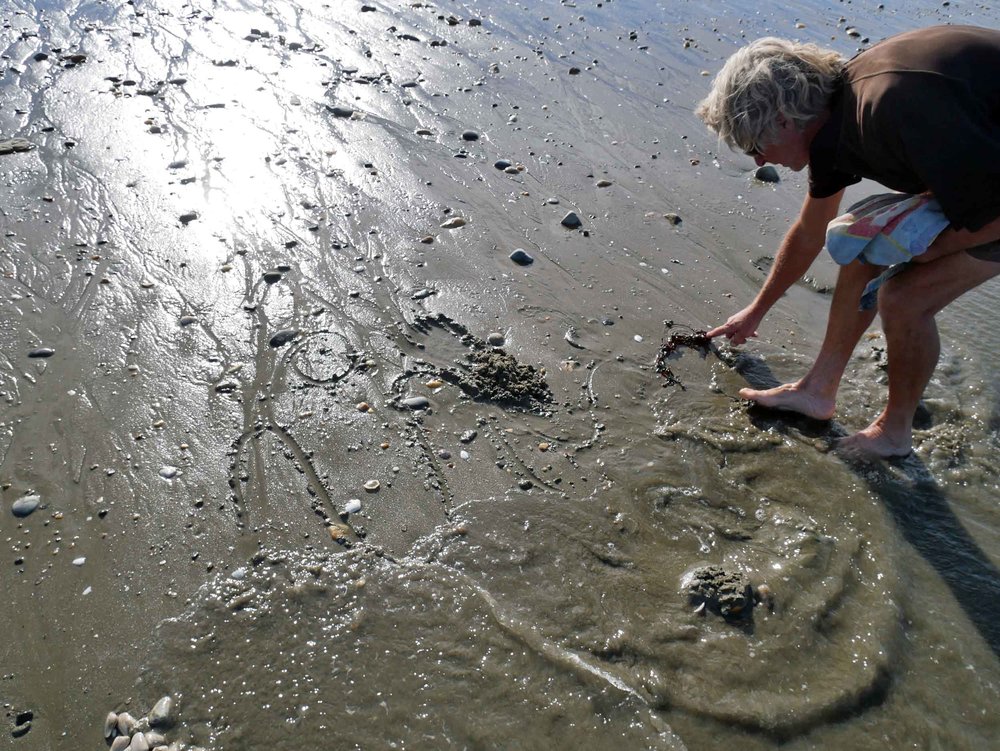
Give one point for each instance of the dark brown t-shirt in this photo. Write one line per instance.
(919, 112)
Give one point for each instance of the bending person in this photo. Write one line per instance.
(918, 113)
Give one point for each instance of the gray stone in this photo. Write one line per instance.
(272, 277)
(495, 339)
(161, 715)
(42, 352)
(501, 164)
(339, 111)
(120, 743)
(188, 217)
(15, 145)
(767, 174)
(416, 402)
(521, 257)
(571, 220)
(470, 135)
(25, 505)
(283, 337)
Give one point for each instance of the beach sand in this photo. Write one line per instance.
(297, 443)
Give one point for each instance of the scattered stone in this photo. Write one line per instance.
(283, 337)
(189, 217)
(162, 713)
(15, 145)
(525, 484)
(496, 339)
(422, 294)
(272, 276)
(79, 561)
(110, 725)
(353, 506)
(427, 239)
(339, 111)
(168, 472)
(139, 743)
(187, 320)
(368, 8)
(521, 257)
(42, 352)
(767, 174)
(673, 218)
(468, 436)
(25, 505)
(372, 486)
(227, 387)
(726, 593)
(424, 132)
(454, 223)
(470, 135)
(502, 164)
(416, 402)
(126, 724)
(444, 454)
(120, 743)
(604, 183)
(574, 71)
(571, 220)
(363, 407)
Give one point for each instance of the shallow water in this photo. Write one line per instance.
(518, 589)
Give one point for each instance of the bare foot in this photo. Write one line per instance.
(876, 441)
(793, 398)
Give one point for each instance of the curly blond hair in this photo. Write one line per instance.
(765, 79)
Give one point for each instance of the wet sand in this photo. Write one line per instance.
(235, 303)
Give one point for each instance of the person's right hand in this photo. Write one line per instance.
(739, 327)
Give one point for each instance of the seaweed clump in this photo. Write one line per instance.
(696, 340)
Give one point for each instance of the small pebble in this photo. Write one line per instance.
(188, 217)
(502, 164)
(363, 406)
(126, 724)
(470, 135)
(521, 257)
(434, 383)
(571, 220)
(271, 277)
(110, 725)
(673, 218)
(339, 111)
(353, 506)
(454, 223)
(468, 436)
(42, 352)
(79, 561)
(168, 472)
(496, 339)
(161, 715)
(120, 743)
(444, 454)
(187, 320)
(138, 743)
(416, 402)
(25, 505)
(283, 337)
(372, 486)
(604, 183)
(767, 174)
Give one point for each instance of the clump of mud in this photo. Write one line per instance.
(725, 593)
(494, 375)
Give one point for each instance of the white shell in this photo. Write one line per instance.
(353, 506)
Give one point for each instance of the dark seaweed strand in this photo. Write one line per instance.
(697, 340)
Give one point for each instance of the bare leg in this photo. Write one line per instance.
(815, 395)
(908, 304)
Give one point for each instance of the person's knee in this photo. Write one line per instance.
(898, 303)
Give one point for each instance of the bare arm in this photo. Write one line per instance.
(799, 248)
